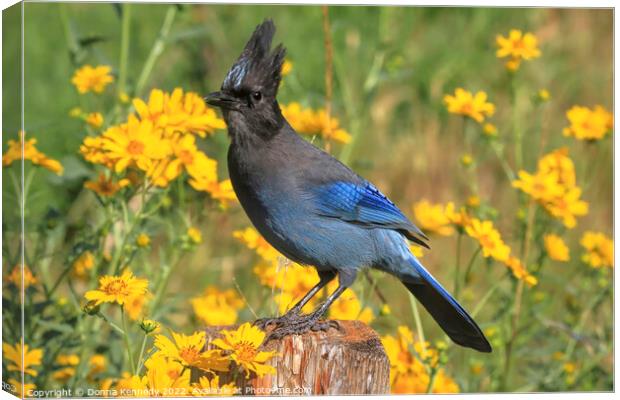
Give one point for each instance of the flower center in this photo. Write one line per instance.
(116, 287)
(467, 108)
(486, 241)
(245, 351)
(189, 354)
(186, 157)
(135, 147)
(518, 44)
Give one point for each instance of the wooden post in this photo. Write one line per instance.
(349, 361)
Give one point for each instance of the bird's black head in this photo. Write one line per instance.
(248, 94)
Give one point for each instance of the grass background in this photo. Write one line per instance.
(406, 142)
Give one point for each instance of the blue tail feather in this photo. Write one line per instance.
(446, 311)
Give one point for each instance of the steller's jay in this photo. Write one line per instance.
(314, 209)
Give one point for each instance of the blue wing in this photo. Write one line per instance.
(365, 205)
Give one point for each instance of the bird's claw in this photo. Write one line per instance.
(301, 326)
(287, 318)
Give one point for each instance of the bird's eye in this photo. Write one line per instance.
(257, 96)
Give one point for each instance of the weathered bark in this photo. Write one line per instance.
(349, 361)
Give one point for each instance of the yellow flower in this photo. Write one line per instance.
(569, 367)
(135, 305)
(22, 390)
(432, 218)
(97, 365)
(188, 350)
(458, 218)
(15, 277)
(559, 163)
(75, 112)
(194, 234)
(469, 105)
(87, 78)
(217, 307)
(164, 374)
(149, 326)
(518, 47)
(553, 186)
(243, 344)
(567, 207)
(212, 387)
(588, 124)
(599, 249)
(386, 310)
(467, 160)
(135, 143)
(123, 97)
(348, 307)
(254, 241)
(178, 113)
(410, 363)
(519, 271)
(106, 187)
(95, 120)
(83, 264)
(489, 238)
(133, 386)
(544, 95)
(489, 130)
(68, 362)
(416, 251)
(556, 248)
(314, 122)
(473, 201)
(541, 186)
(476, 368)
(287, 67)
(30, 152)
(143, 240)
(14, 354)
(118, 289)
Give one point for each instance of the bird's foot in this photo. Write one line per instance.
(285, 319)
(300, 326)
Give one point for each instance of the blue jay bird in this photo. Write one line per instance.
(314, 209)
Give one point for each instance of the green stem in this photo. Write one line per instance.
(156, 50)
(457, 272)
(124, 56)
(72, 42)
(518, 134)
(127, 341)
(141, 356)
(416, 317)
(470, 264)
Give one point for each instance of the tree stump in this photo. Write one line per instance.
(346, 361)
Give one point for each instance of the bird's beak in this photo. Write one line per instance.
(222, 100)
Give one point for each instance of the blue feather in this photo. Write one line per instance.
(365, 205)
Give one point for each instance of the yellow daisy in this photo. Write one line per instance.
(517, 46)
(217, 307)
(588, 124)
(599, 249)
(469, 105)
(432, 218)
(31, 358)
(189, 351)
(15, 277)
(243, 345)
(489, 238)
(556, 248)
(92, 79)
(118, 289)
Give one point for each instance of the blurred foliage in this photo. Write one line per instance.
(392, 68)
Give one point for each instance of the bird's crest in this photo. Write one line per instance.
(257, 65)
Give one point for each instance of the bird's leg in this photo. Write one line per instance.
(311, 322)
(294, 313)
